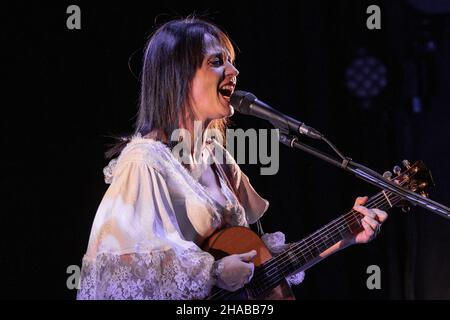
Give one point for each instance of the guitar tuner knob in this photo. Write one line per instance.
(406, 209)
(407, 164)
(397, 170)
(387, 175)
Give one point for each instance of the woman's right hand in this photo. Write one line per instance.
(234, 271)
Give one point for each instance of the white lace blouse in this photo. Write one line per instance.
(145, 238)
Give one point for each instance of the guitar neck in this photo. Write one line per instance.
(306, 252)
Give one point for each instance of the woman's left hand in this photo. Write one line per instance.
(373, 218)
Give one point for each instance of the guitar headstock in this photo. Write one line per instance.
(416, 178)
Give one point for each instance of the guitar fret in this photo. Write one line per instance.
(293, 258)
(387, 198)
(302, 252)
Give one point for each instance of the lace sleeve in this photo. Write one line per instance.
(275, 242)
(161, 275)
(136, 249)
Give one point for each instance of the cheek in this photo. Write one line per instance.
(202, 96)
(212, 81)
(205, 86)
(197, 90)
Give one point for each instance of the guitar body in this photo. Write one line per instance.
(236, 240)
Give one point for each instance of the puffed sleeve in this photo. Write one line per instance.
(136, 250)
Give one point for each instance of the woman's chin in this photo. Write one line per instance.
(226, 109)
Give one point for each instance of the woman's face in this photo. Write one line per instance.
(213, 84)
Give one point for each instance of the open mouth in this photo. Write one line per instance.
(226, 91)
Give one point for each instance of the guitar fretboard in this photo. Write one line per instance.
(302, 254)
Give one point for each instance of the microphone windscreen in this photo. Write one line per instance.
(241, 100)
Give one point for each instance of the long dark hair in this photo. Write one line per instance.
(171, 58)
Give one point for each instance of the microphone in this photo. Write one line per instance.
(247, 103)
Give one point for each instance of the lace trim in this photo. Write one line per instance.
(296, 278)
(108, 171)
(275, 242)
(217, 269)
(160, 275)
(233, 212)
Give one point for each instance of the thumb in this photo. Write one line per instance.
(248, 256)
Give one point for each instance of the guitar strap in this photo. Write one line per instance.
(259, 228)
(225, 171)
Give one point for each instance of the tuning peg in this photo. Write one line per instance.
(406, 209)
(387, 175)
(407, 164)
(397, 170)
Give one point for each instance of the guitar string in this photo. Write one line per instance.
(300, 246)
(256, 280)
(333, 225)
(312, 242)
(278, 276)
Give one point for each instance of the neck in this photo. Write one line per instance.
(197, 137)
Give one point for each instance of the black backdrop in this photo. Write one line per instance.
(64, 91)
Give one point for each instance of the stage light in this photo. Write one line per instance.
(366, 76)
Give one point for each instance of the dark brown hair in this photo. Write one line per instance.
(172, 56)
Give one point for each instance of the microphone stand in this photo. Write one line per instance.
(365, 174)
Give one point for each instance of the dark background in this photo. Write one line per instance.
(66, 90)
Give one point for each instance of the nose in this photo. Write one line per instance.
(231, 71)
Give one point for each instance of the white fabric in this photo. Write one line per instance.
(145, 236)
(276, 243)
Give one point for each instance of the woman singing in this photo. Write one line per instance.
(161, 204)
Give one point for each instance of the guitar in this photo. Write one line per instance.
(268, 280)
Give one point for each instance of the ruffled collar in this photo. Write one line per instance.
(164, 160)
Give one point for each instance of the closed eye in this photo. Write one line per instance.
(218, 59)
(216, 62)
